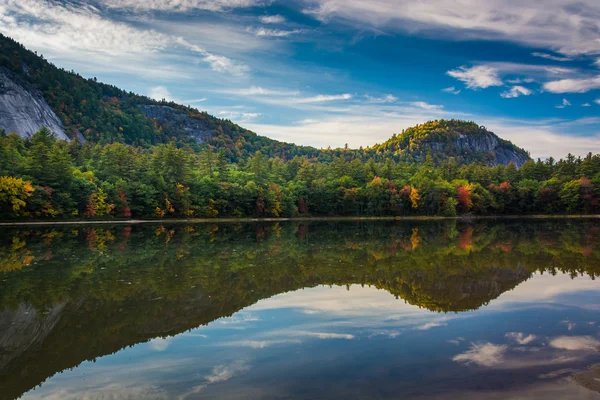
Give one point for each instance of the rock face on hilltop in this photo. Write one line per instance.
(465, 141)
(177, 119)
(23, 110)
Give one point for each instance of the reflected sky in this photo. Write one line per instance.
(361, 342)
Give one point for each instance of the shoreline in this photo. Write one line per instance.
(300, 219)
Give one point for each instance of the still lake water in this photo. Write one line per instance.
(323, 310)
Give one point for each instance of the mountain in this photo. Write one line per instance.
(466, 141)
(35, 93)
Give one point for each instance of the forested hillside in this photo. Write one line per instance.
(102, 113)
(48, 178)
(466, 141)
(132, 156)
(95, 112)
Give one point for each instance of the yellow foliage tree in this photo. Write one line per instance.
(414, 198)
(13, 194)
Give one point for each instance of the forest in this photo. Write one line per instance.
(44, 178)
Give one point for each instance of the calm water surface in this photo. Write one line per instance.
(378, 310)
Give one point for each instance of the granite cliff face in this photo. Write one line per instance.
(485, 143)
(177, 119)
(23, 109)
(465, 141)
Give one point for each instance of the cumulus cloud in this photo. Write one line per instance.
(272, 19)
(516, 91)
(477, 77)
(597, 101)
(160, 93)
(520, 337)
(484, 354)
(565, 103)
(160, 344)
(575, 343)
(452, 90)
(573, 85)
(181, 5)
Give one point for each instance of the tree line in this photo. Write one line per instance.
(43, 177)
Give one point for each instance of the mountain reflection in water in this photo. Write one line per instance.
(216, 310)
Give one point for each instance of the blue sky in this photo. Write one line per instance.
(330, 72)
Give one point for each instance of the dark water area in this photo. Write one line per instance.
(312, 310)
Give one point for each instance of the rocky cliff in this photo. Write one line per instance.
(177, 119)
(486, 143)
(466, 141)
(23, 110)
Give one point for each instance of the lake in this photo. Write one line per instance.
(301, 310)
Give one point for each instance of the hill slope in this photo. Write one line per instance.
(98, 112)
(34, 92)
(466, 141)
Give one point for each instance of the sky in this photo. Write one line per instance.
(335, 72)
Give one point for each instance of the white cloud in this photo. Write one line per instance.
(516, 91)
(520, 80)
(477, 77)
(570, 325)
(567, 26)
(259, 344)
(238, 116)
(388, 98)
(575, 343)
(430, 325)
(181, 5)
(217, 63)
(272, 19)
(160, 93)
(159, 344)
(565, 103)
(269, 32)
(573, 85)
(452, 90)
(426, 106)
(220, 373)
(323, 98)
(586, 105)
(597, 101)
(520, 337)
(260, 91)
(322, 335)
(484, 354)
(550, 57)
(82, 29)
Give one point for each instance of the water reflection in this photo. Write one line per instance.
(321, 310)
